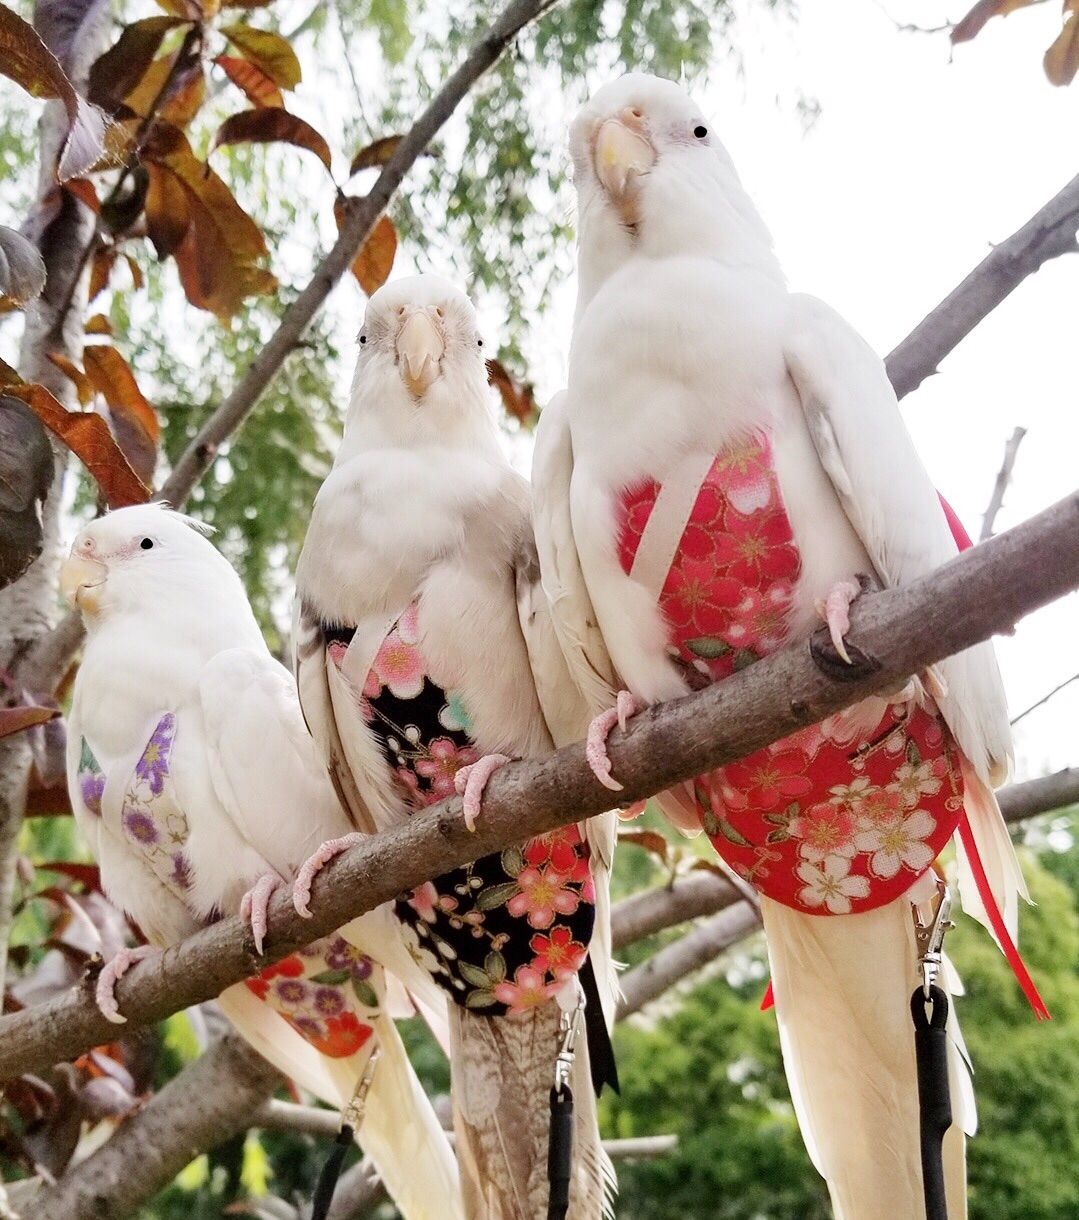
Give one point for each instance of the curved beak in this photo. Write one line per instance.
(621, 153)
(419, 349)
(81, 580)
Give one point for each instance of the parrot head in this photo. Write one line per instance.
(421, 374)
(138, 558)
(652, 177)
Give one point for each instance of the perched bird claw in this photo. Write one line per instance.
(313, 865)
(835, 610)
(111, 973)
(254, 904)
(600, 729)
(471, 781)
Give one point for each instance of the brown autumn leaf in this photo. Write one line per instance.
(22, 272)
(98, 325)
(116, 73)
(100, 270)
(258, 88)
(518, 399)
(269, 125)
(1062, 59)
(269, 51)
(135, 269)
(373, 264)
(25, 59)
(650, 840)
(87, 435)
(185, 95)
(190, 10)
(134, 420)
(84, 387)
(26, 716)
(84, 191)
(167, 211)
(971, 25)
(375, 154)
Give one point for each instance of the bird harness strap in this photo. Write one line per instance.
(351, 1120)
(560, 1136)
(929, 1010)
(601, 1060)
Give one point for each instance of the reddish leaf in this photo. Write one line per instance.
(87, 435)
(971, 25)
(267, 50)
(650, 840)
(1062, 58)
(98, 325)
(123, 66)
(191, 10)
(83, 190)
(87, 875)
(84, 387)
(375, 154)
(135, 269)
(373, 264)
(518, 399)
(22, 272)
(51, 802)
(17, 719)
(134, 420)
(100, 270)
(256, 85)
(269, 125)
(167, 212)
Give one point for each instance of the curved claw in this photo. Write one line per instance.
(111, 973)
(595, 750)
(471, 781)
(254, 903)
(835, 610)
(313, 865)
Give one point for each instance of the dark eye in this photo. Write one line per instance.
(363, 338)
(479, 343)
(700, 131)
(147, 544)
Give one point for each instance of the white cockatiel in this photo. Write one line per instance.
(726, 461)
(192, 777)
(419, 617)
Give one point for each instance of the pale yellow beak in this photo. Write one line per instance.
(419, 349)
(81, 581)
(621, 155)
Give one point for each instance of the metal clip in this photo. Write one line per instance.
(930, 938)
(570, 1027)
(352, 1114)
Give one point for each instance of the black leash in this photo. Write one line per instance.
(351, 1121)
(929, 1010)
(560, 1131)
(601, 1060)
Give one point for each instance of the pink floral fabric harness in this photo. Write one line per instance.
(323, 991)
(833, 819)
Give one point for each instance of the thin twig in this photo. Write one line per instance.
(1004, 474)
(1045, 698)
(900, 631)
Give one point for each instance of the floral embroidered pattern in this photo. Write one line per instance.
(842, 816)
(324, 993)
(91, 779)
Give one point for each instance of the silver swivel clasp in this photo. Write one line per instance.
(570, 1027)
(929, 937)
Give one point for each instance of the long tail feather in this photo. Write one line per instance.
(842, 988)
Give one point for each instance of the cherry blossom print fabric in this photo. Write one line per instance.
(831, 820)
(500, 935)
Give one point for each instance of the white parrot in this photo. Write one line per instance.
(419, 617)
(726, 462)
(192, 776)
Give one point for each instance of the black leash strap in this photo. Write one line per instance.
(331, 1171)
(934, 1099)
(560, 1152)
(601, 1060)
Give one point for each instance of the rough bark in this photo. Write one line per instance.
(1048, 234)
(983, 591)
(203, 1106)
(28, 607)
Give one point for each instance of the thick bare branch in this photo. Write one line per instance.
(683, 898)
(1000, 485)
(1042, 795)
(1048, 234)
(983, 591)
(207, 1103)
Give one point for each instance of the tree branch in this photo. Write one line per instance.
(1000, 486)
(900, 631)
(1048, 234)
(206, 1104)
(680, 900)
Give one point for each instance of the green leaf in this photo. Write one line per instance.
(744, 658)
(268, 51)
(495, 965)
(365, 993)
(496, 895)
(708, 646)
(331, 978)
(479, 999)
(513, 861)
(473, 974)
(914, 755)
(732, 835)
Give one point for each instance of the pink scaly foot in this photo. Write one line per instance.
(254, 903)
(835, 610)
(111, 973)
(471, 781)
(313, 865)
(595, 749)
